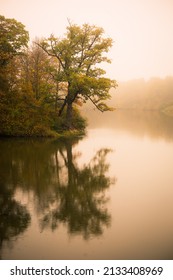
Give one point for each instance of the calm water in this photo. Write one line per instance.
(106, 196)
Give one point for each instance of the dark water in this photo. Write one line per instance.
(106, 196)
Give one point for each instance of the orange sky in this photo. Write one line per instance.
(141, 29)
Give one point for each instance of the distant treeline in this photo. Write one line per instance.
(155, 94)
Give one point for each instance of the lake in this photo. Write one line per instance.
(106, 196)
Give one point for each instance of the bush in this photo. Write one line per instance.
(22, 115)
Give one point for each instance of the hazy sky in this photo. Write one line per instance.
(142, 30)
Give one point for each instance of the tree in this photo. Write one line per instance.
(34, 76)
(13, 38)
(78, 54)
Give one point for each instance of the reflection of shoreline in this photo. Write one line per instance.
(141, 123)
(64, 191)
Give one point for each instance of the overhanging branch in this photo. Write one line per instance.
(95, 104)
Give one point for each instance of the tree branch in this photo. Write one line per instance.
(95, 104)
(57, 56)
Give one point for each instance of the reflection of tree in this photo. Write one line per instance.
(14, 217)
(79, 201)
(64, 191)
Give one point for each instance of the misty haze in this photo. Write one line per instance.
(86, 130)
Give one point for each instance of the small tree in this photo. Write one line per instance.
(13, 38)
(78, 55)
(33, 74)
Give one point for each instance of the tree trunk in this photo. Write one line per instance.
(56, 96)
(62, 107)
(69, 115)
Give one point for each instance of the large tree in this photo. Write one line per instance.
(78, 54)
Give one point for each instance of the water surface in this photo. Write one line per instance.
(106, 196)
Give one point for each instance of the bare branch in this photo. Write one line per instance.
(95, 104)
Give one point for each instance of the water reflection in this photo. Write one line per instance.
(63, 190)
(14, 217)
(58, 192)
(79, 200)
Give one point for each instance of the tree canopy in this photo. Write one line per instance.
(78, 55)
(13, 39)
